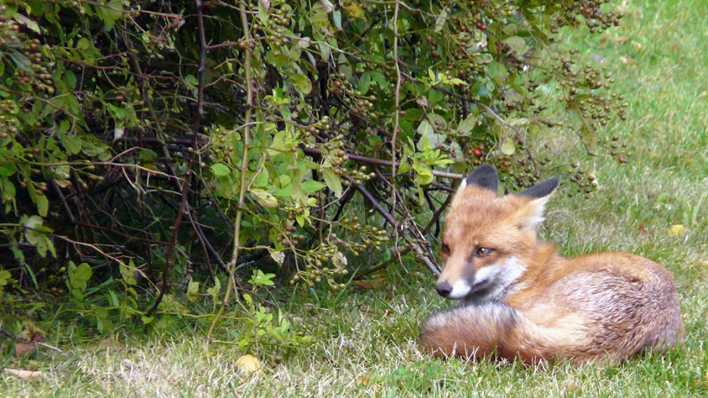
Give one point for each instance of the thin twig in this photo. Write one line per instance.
(417, 239)
(92, 246)
(57, 189)
(231, 266)
(226, 44)
(397, 101)
(435, 220)
(396, 124)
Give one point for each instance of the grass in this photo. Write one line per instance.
(364, 341)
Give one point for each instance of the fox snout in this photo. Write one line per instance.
(457, 277)
(444, 289)
(457, 290)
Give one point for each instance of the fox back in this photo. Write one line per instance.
(520, 299)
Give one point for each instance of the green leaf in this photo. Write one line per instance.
(428, 138)
(300, 219)
(261, 179)
(191, 82)
(337, 19)
(7, 189)
(5, 278)
(215, 290)
(404, 165)
(333, 181)
(438, 122)
(61, 173)
(72, 143)
(277, 256)
(146, 156)
(42, 204)
(109, 12)
(127, 272)
(312, 186)
(440, 20)
(264, 198)
(517, 122)
(7, 169)
(301, 83)
(425, 129)
(258, 278)
(83, 44)
(220, 169)
(380, 80)
(78, 278)
(118, 131)
(517, 45)
(34, 229)
(70, 79)
(30, 24)
(21, 61)
(193, 291)
(364, 83)
(497, 72)
(423, 173)
(468, 124)
(507, 147)
(80, 274)
(456, 152)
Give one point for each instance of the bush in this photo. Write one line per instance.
(160, 142)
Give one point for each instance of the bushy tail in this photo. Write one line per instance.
(489, 330)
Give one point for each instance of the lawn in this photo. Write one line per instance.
(364, 339)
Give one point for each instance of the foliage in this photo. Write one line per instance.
(124, 125)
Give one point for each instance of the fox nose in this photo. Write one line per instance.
(443, 289)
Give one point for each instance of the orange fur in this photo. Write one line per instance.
(520, 299)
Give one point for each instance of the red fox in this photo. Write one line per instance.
(521, 300)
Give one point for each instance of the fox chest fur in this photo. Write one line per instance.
(520, 300)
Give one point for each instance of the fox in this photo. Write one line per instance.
(520, 300)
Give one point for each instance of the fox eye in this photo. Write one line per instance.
(483, 251)
(445, 249)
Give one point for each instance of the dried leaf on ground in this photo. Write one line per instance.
(24, 374)
(22, 348)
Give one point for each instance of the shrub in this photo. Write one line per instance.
(171, 139)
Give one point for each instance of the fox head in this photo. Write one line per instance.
(487, 238)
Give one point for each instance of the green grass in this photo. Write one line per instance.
(364, 342)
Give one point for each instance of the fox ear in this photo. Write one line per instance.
(530, 215)
(541, 189)
(484, 177)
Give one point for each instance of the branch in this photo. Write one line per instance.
(184, 205)
(381, 162)
(397, 100)
(94, 247)
(244, 156)
(226, 44)
(231, 266)
(375, 203)
(435, 220)
(413, 242)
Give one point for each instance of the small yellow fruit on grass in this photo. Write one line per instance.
(677, 230)
(248, 364)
